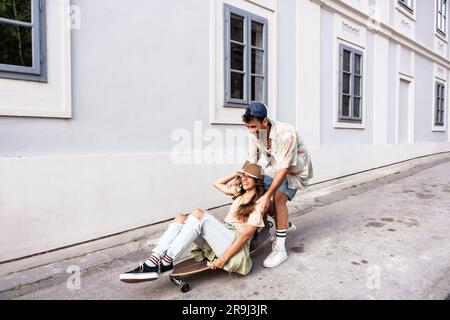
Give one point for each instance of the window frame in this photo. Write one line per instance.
(404, 4)
(350, 118)
(38, 72)
(441, 14)
(439, 104)
(248, 18)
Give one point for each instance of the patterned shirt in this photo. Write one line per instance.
(287, 150)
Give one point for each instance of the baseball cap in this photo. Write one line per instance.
(258, 109)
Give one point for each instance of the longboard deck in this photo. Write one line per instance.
(188, 267)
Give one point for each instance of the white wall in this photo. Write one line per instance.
(51, 202)
(136, 80)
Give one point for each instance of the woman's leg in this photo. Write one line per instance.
(216, 234)
(170, 234)
(200, 226)
(183, 228)
(188, 234)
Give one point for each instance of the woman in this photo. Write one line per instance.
(226, 245)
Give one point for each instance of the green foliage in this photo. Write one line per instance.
(16, 10)
(15, 41)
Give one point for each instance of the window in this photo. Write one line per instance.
(245, 57)
(440, 104)
(350, 84)
(441, 19)
(407, 4)
(23, 40)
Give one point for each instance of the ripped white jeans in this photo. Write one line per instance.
(180, 236)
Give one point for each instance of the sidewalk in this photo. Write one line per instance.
(382, 234)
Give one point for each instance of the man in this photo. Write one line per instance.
(288, 169)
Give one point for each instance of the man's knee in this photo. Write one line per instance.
(198, 213)
(280, 198)
(181, 218)
(271, 210)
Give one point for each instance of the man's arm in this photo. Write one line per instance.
(277, 181)
(264, 201)
(286, 157)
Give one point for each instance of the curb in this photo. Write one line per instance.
(317, 195)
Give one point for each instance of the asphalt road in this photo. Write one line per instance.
(384, 240)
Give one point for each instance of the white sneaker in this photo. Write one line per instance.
(291, 228)
(276, 257)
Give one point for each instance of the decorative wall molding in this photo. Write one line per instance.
(440, 71)
(357, 40)
(384, 30)
(350, 26)
(405, 23)
(266, 4)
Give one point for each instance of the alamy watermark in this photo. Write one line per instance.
(212, 146)
(74, 281)
(374, 278)
(374, 20)
(74, 17)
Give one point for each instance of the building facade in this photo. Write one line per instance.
(115, 118)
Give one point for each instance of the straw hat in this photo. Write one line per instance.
(252, 170)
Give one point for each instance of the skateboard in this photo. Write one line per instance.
(190, 266)
(186, 268)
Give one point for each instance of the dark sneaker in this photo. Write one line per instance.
(140, 274)
(164, 269)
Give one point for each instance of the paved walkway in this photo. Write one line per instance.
(387, 239)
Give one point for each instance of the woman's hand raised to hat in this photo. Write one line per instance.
(235, 182)
(226, 184)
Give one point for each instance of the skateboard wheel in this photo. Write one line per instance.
(185, 288)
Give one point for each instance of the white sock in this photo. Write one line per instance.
(153, 260)
(167, 260)
(281, 238)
